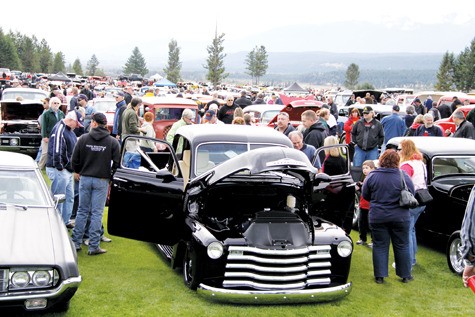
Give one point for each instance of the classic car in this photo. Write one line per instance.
(19, 129)
(450, 178)
(295, 109)
(448, 99)
(263, 113)
(38, 262)
(107, 106)
(238, 210)
(448, 123)
(168, 110)
(31, 94)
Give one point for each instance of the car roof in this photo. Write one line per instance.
(16, 160)
(262, 107)
(440, 145)
(203, 133)
(169, 101)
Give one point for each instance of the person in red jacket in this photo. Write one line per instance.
(363, 223)
(348, 126)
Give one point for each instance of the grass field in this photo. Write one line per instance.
(132, 279)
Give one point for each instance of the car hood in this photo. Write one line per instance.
(27, 236)
(259, 161)
(24, 111)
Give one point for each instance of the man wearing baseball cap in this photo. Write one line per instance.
(368, 135)
(120, 108)
(95, 156)
(58, 166)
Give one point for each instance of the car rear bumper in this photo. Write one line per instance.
(274, 297)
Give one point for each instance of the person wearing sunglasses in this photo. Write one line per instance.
(47, 121)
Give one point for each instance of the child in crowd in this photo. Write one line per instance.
(363, 222)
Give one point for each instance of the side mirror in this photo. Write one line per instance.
(58, 199)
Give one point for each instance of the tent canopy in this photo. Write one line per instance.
(59, 77)
(295, 88)
(156, 77)
(164, 82)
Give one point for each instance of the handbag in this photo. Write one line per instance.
(422, 195)
(407, 199)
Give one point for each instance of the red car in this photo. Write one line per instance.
(167, 110)
(448, 99)
(448, 123)
(106, 106)
(295, 109)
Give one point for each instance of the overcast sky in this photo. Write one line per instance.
(112, 29)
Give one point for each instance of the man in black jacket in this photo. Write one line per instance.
(243, 101)
(95, 156)
(368, 135)
(464, 128)
(315, 132)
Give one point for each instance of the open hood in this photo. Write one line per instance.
(259, 161)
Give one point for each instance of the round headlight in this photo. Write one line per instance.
(41, 278)
(344, 248)
(21, 279)
(13, 142)
(215, 250)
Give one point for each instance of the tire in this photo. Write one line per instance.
(356, 213)
(192, 270)
(454, 258)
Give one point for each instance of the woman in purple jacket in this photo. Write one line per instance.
(388, 221)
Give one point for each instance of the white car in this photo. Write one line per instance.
(25, 93)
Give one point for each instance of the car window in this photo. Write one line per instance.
(26, 95)
(453, 165)
(269, 115)
(22, 188)
(146, 155)
(105, 106)
(168, 114)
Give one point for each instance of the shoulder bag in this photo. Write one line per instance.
(407, 199)
(422, 195)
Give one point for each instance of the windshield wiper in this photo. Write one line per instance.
(15, 205)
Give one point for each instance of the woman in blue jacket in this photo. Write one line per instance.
(388, 221)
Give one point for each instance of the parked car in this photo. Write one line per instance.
(38, 262)
(263, 113)
(448, 99)
(448, 123)
(19, 129)
(31, 94)
(238, 209)
(450, 178)
(168, 110)
(107, 106)
(295, 109)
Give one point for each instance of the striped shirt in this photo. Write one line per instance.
(467, 233)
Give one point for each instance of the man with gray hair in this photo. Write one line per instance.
(464, 129)
(186, 119)
(296, 137)
(428, 129)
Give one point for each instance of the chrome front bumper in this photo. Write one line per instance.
(70, 283)
(274, 297)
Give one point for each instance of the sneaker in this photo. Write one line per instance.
(70, 225)
(407, 279)
(86, 242)
(361, 242)
(394, 265)
(97, 252)
(105, 239)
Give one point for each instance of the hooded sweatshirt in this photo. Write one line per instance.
(315, 134)
(94, 153)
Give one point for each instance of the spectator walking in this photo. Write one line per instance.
(315, 132)
(410, 116)
(389, 222)
(363, 221)
(428, 128)
(73, 103)
(226, 113)
(58, 166)
(130, 119)
(49, 118)
(464, 129)
(444, 110)
(95, 156)
(259, 100)
(412, 163)
(418, 107)
(455, 103)
(368, 135)
(333, 107)
(393, 126)
(283, 123)
(243, 101)
(120, 107)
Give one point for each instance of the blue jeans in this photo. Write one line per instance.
(415, 213)
(398, 234)
(62, 183)
(361, 155)
(92, 200)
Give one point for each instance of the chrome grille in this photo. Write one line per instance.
(3, 280)
(268, 269)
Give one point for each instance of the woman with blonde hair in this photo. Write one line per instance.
(334, 163)
(412, 163)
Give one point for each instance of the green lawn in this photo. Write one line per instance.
(133, 280)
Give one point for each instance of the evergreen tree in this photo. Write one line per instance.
(464, 69)
(8, 53)
(77, 67)
(45, 57)
(352, 76)
(257, 63)
(215, 61)
(58, 63)
(136, 64)
(445, 74)
(173, 68)
(366, 86)
(92, 64)
(27, 52)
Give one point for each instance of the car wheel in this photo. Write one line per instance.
(454, 257)
(191, 267)
(356, 213)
